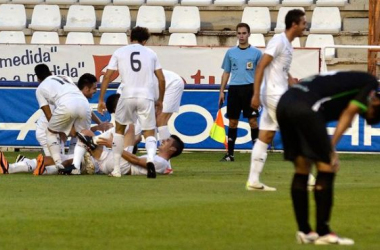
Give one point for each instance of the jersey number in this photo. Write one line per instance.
(61, 80)
(135, 63)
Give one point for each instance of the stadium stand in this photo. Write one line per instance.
(27, 1)
(265, 3)
(129, 2)
(66, 2)
(258, 19)
(326, 20)
(162, 2)
(12, 17)
(43, 37)
(186, 39)
(80, 18)
(196, 2)
(318, 41)
(256, 40)
(80, 38)
(94, 2)
(115, 19)
(229, 2)
(303, 3)
(152, 17)
(331, 2)
(185, 19)
(12, 37)
(114, 39)
(46, 17)
(280, 25)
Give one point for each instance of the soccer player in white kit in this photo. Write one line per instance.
(272, 79)
(137, 66)
(72, 110)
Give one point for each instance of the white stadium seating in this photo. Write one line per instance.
(185, 19)
(196, 2)
(80, 38)
(94, 2)
(12, 17)
(46, 17)
(326, 20)
(331, 2)
(115, 19)
(229, 2)
(303, 3)
(280, 25)
(186, 39)
(42, 37)
(128, 2)
(265, 3)
(67, 2)
(258, 19)
(318, 41)
(80, 18)
(162, 2)
(151, 17)
(296, 43)
(27, 1)
(12, 37)
(114, 39)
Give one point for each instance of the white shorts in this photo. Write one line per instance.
(129, 110)
(268, 119)
(75, 113)
(172, 98)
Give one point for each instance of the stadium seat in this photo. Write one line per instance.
(151, 17)
(12, 37)
(162, 2)
(46, 17)
(94, 2)
(27, 1)
(265, 3)
(4, 1)
(12, 17)
(304, 3)
(318, 41)
(280, 25)
(256, 40)
(296, 43)
(331, 2)
(186, 39)
(79, 38)
(229, 2)
(42, 37)
(80, 18)
(258, 19)
(115, 19)
(129, 2)
(185, 19)
(114, 39)
(66, 2)
(326, 20)
(196, 2)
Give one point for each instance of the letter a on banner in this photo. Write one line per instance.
(218, 133)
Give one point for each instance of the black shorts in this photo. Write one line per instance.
(239, 99)
(303, 131)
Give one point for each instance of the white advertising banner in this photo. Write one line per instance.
(199, 65)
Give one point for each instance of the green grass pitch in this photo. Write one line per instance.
(203, 205)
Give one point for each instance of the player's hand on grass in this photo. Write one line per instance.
(102, 107)
(255, 102)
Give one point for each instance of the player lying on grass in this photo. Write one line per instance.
(130, 163)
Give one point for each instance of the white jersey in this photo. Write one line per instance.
(136, 65)
(56, 90)
(275, 80)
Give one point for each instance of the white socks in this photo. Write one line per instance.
(79, 151)
(163, 133)
(258, 158)
(151, 147)
(73, 143)
(24, 166)
(117, 150)
(54, 146)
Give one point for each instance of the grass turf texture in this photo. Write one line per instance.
(203, 205)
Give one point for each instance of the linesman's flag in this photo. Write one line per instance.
(218, 133)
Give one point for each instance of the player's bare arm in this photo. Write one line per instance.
(344, 122)
(47, 111)
(225, 77)
(133, 159)
(264, 62)
(161, 90)
(103, 89)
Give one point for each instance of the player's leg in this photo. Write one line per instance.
(162, 125)
(249, 112)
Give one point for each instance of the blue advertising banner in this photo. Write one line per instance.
(199, 106)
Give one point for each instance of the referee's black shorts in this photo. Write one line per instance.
(303, 131)
(238, 100)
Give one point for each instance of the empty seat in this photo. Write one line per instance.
(162, 2)
(114, 38)
(61, 1)
(296, 43)
(115, 19)
(151, 17)
(256, 40)
(94, 2)
(187, 39)
(79, 38)
(42, 37)
(196, 2)
(280, 25)
(128, 2)
(46, 17)
(4, 1)
(318, 41)
(12, 37)
(326, 20)
(80, 18)
(258, 19)
(297, 2)
(185, 19)
(265, 3)
(331, 2)
(27, 1)
(229, 2)
(12, 17)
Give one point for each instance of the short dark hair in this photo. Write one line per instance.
(111, 103)
(178, 144)
(86, 79)
(243, 25)
(140, 34)
(293, 16)
(42, 71)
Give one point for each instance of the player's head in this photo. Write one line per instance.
(87, 84)
(140, 35)
(296, 20)
(372, 114)
(42, 71)
(174, 145)
(243, 31)
(111, 103)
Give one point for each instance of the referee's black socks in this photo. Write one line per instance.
(254, 134)
(301, 202)
(232, 134)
